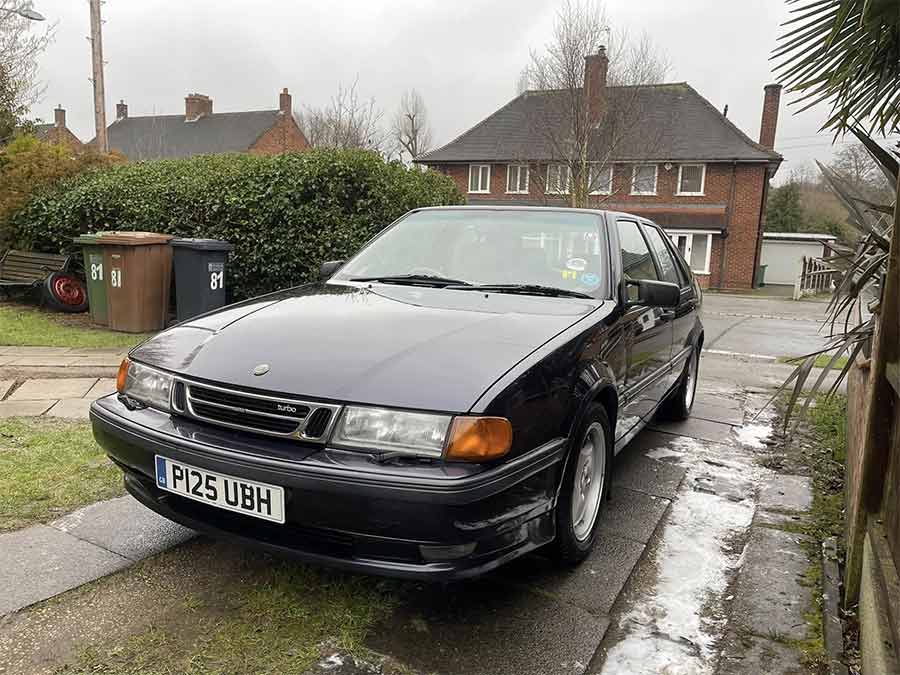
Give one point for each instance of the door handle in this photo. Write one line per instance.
(667, 315)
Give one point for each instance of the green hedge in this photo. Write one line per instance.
(284, 214)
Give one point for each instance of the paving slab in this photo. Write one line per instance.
(634, 471)
(124, 526)
(592, 585)
(5, 386)
(695, 427)
(112, 360)
(484, 627)
(751, 655)
(39, 562)
(787, 493)
(104, 387)
(63, 360)
(714, 412)
(43, 389)
(37, 351)
(71, 409)
(24, 408)
(631, 514)
(769, 599)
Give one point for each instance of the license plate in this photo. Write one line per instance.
(227, 492)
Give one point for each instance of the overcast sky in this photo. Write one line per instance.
(464, 57)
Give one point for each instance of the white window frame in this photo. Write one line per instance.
(689, 245)
(680, 193)
(479, 168)
(518, 169)
(609, 168)
(568, 186)
(634, 170)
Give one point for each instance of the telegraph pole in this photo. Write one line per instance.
(99, 92)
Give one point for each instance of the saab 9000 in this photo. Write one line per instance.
(447, 400)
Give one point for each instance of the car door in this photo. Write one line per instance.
(647, 332)
(685, 314)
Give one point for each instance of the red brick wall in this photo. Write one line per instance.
(62, 136)
(285, 136)
(743, 214)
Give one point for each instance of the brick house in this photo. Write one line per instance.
(702, 178)
(58, 133)
(200, 131)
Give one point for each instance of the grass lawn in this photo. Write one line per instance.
(26, 325)
(257, 615)
(50, 467)
(822, 360)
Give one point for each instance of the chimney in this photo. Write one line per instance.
(59, 117)
(595, 69)
(770, 116)
(284, 102)
(121, 110)
(196, 106)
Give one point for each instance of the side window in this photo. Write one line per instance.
(637, 263)
(666, 262)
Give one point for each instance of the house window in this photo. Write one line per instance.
(643, 179)
(558, 179)
(600, 178)
(517, 179)
(691, 179)
(695, 248)
(479, 178)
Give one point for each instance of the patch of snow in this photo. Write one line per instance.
(753, 435)
(661, 453)
(332, 662)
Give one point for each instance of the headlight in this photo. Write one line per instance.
(146, 385)
(392, 431)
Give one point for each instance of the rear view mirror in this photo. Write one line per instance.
(329, 268)
(651, 293)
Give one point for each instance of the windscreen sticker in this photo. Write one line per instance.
(577, 264)
(590, 279)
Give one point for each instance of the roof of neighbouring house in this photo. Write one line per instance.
(172, 136)
(43, 130)
(673, 122)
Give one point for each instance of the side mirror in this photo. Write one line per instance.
(328, 268)
(651, 293)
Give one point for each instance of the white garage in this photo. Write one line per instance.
(783, 252)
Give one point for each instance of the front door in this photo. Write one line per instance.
(648, 335)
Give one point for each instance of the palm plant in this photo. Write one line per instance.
(847, 53)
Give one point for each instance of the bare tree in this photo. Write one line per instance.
(346, 122)
(856, 166)
(582, 130)
(410, 129)
(20, 45)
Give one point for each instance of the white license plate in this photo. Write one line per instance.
(227, 492)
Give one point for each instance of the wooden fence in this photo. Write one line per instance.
(873, 482)
(816, 276)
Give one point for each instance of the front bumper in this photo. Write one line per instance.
(343, 509)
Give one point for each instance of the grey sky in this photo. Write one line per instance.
(464, 57)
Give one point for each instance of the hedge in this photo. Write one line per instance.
(284, 214)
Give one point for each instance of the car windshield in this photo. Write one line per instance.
(488, 247)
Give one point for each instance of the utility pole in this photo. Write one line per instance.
(99, 92)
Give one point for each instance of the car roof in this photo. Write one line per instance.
(560, 209)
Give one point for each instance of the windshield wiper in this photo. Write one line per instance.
(426, 279)
(525, 289)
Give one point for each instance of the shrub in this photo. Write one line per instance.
(29, 166)
(284, 214)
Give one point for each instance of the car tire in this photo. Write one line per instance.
(65, 292)
(578, 510)
(681, 401)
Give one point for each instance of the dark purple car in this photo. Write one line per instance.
(445, 401)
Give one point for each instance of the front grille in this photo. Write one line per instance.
(259, 413)
(317, 423)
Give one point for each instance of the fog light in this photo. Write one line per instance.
(438, 553)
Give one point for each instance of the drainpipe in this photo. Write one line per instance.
(728, 224)
(760, 226)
